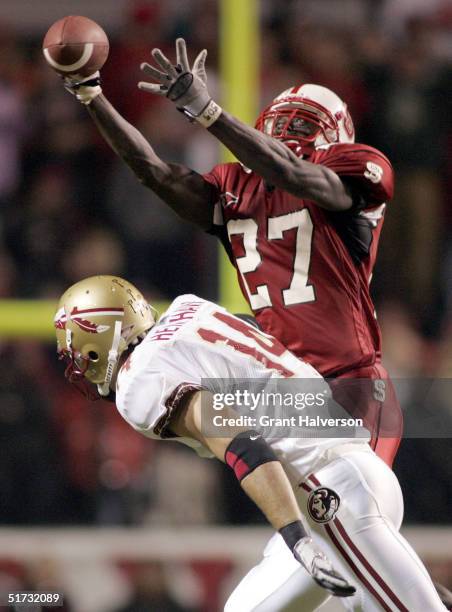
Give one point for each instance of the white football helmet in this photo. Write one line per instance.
(312, 104)
(97, 319)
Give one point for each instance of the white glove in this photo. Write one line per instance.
(85, 89)
(321, 570)
(185, 86)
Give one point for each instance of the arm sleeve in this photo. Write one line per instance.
(172, 402)
(217, 178)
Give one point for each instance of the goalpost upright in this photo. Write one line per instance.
(239, 66)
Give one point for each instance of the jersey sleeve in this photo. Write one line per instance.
(148, 399)
(216, 176)
(366, 172)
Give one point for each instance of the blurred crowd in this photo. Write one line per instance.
(70, 209)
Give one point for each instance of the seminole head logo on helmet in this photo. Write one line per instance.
(97, 319)
(307, 117)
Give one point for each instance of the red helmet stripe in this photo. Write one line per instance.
(98, 311)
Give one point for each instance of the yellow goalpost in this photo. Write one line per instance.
(239, 53)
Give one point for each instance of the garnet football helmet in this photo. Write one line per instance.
(307, 117)
(97, 319)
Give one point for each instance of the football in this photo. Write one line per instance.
(75, 45)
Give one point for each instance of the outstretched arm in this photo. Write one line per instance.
(183, 189)
(271, 159)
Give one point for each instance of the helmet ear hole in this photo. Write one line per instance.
(93, 356)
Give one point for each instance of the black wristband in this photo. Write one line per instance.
(293, 533)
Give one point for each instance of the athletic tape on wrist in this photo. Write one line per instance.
(87, 94)
(293, 533)
(210, 114)
(246, 452)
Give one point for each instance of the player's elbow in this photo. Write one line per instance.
(329, 192)
(150, 174)
(286, 176)
(314, 182)
(139, 167)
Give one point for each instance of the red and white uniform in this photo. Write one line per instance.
(306, 271)
(196, 341)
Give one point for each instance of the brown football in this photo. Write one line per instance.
(75, 45)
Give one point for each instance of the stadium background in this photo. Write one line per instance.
(112, 519)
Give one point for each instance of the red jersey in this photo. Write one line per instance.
(305, 271)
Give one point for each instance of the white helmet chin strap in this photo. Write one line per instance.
(104, 388)
(68, 339)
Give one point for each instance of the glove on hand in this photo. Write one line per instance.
(185, 86)
(321, 570)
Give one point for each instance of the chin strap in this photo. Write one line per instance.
(104, 388)
(68, 339)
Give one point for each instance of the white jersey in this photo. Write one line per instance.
(197, 344)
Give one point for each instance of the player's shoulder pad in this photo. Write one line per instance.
(182, 311)
(349, 152)
(363, 165)
(227, 176)
(219, 173)
(186, 302)
(186, 298)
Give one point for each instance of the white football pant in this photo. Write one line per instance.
(362, 540)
